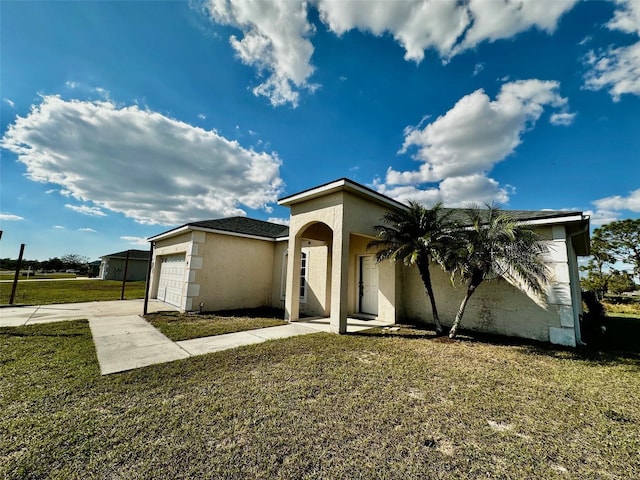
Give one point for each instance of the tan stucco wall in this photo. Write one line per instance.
(499, 307)
(314, 305)
(358, 246)
(279, 270)
(236, 272)
(351, 220)
(495, 307)
(316, 281)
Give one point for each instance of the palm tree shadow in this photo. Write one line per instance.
(621, 345)
(410, 332)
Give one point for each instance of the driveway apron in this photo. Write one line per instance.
(125, 341)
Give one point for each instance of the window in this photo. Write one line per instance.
(303, 276)
(304, 270)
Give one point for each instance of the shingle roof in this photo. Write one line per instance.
(133, 254)
(244, 225)
(459, 215)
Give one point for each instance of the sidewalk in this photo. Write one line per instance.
(125, 341)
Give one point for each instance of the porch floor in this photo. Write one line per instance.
(323, 324)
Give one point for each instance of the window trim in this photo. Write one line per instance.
(304, 275)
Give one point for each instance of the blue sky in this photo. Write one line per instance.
(120, 120)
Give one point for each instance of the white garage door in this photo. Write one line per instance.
(172, 271)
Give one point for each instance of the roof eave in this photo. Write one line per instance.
(190, 228)
(574, 217)
(343, 184)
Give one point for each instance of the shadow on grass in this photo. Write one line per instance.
(260, 312)
(620, 343)
(5, 332)
(410, 332)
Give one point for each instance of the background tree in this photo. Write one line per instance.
(616, 242)
(53, 264)
(413, 237)
(72, 260)
(492, 244)
(621, 239)
(599, 268)
(621, 282)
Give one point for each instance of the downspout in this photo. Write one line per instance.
(578, 325)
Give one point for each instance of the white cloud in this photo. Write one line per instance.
(452, 192)
(626, 18)
(601, 217)
(135, 240)
(617, 69)
(87, 210)
(618, 202)
(608, 209)
(477, 69)
(9, 102)
(495, 20)
(145, 165)
(477, 132)
(414, 24)
(202, 116)
(58, 227)
(86, 229)
(563, 118)
(276, 34)
(275, 40)
(279, 220)
(459, 148)
(9, 217)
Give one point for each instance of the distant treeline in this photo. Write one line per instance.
(69, 261)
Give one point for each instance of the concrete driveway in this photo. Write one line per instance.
(125, 341)
(29, 315)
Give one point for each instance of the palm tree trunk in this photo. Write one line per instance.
(425, 274)
(456, 323)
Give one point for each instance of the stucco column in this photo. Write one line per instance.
(327, 291)
(339, 282)
(560, 297)
(292, 291)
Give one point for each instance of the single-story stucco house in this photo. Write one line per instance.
(112, 267)
(240, 263)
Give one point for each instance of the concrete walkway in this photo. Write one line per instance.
(125, 341)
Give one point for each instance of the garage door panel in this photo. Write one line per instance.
(172, 276)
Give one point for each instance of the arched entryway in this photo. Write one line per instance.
(309, 269)
(342, 216)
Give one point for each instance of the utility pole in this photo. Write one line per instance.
(15, 277)
(148, 282)
(124, 278)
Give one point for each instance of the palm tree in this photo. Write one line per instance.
(413, 236)
(492, 244)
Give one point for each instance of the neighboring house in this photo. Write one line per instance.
(112, 266)
(240, 263)
(93, 268)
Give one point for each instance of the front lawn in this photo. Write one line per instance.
(376, 405)
(69, 291)
(184, 326)
(36, 276)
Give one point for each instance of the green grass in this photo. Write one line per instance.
(37, 276)
(71, 291)
(184, 326)
(381, 406)
(615, 309)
